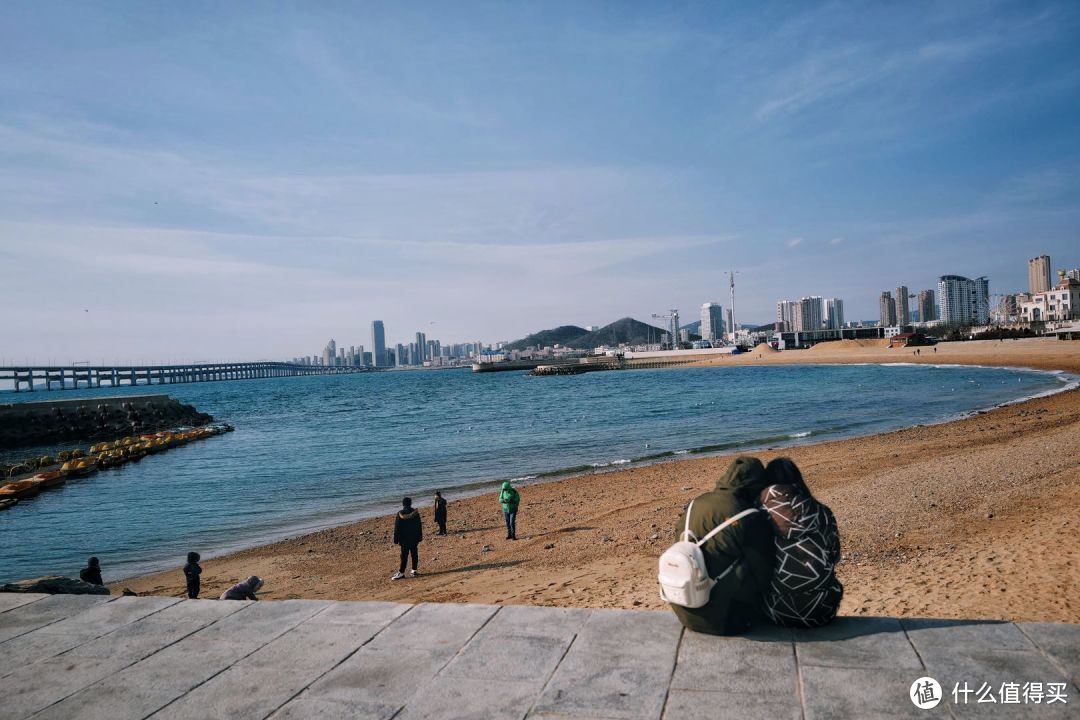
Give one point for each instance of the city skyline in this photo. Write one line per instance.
(253, 181)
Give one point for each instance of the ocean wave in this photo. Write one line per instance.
(803, 434)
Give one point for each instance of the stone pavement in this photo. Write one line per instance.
(65, 656)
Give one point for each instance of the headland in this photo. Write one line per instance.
(964, 519)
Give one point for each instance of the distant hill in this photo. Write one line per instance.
(693, 328)
(626, 330)
(564, 335)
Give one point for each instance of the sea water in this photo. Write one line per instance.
(310, 452)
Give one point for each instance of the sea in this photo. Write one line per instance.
(312, 452)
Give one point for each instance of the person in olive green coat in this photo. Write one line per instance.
(735, 602)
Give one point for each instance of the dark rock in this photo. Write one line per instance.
(55, 585)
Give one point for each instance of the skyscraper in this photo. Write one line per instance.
(927, 306)
(787, 316)
(962, 301)
(1039, 274)
(421, 349)
(399, 355)
(810, 314)
(834, 313)
(1073, 274)
(378, 343)
(886, 310)
(329, 353)
(712, 322)
(903, 314)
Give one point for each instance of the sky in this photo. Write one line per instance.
(241, 181)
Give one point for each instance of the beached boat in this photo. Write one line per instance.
(83, 467)
(20, 489)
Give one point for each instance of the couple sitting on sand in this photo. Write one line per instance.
(776, 561)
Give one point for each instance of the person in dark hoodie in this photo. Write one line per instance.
(408, 533)
(440, 512)
(745, 546)
(92, 572)
(804, 591)
(192, 573)
(243, 590)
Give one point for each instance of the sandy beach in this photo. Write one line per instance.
(975, 518)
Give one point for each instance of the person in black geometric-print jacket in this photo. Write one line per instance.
(804, 590)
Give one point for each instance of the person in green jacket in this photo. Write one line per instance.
(510, 499)
(736, 600)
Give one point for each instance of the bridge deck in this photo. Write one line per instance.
(95, 657)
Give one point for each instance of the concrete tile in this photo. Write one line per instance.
(377, 676)
(305, 708)
(261, 622)
(492, 698)
(735, 665)
(265, 680)
(867, 694)
(522, 658)
(33, 647)
(694, 705)
(437, 628)
(45, 611)
(1058, 640)
(10, 601)
(198, 612)
(857, 643)
(360, 613)
(35, 687)
(973, 634)
(103, 619)
(538, 621)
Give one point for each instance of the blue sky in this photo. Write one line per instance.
(247, 180)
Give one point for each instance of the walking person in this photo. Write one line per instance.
(92, 572)
(408, 533)
(510, 499)
(804, 591)
(192, 574)
(440, 512)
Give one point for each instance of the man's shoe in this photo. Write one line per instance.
(397, 576)
(413, 572)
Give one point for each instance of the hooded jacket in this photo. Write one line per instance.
(509, 498)
(243, 590)
(408, 531)
(736, 599)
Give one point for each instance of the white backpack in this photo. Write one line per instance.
(684, 579)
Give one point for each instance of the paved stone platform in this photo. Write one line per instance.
(127, 657)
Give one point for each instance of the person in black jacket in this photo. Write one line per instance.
(92, 572)
(192, 571)
(440, 512)
(408, 532)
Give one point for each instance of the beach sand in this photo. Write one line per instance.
(975, 518)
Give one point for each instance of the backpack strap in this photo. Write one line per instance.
(721, 526)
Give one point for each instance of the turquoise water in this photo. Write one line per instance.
(310, 452)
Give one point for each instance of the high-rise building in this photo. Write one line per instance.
(787, 316)
(729, 324)
(1073, 274)
(712, 322)
(399, 355)
(962, 301)
(927, 306)
(834, 313)
(903, 314)
(886, 310)
(329, 353)
(421, 349)
(810, 314)
(378, 343)
(1039, 274)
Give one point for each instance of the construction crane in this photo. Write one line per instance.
(672, 317)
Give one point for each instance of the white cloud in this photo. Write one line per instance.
(836, 241)
(794, 242)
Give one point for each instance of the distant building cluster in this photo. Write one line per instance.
(420, 353)
(809, 314)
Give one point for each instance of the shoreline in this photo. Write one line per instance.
(385, 508)
(606, 528)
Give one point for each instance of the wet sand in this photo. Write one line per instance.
(976, 518)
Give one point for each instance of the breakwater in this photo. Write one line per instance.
(49, 422)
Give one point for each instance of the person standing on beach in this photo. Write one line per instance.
(408, 534)
(440, 512)
(92, 572)
(510, 499)
(192, 573)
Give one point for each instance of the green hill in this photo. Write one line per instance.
(627, 330)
